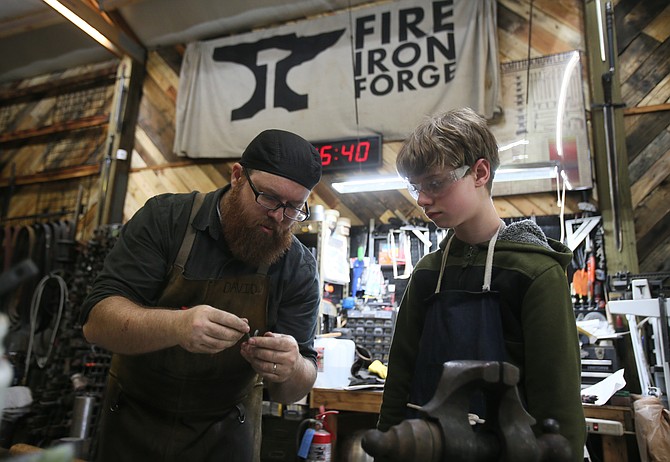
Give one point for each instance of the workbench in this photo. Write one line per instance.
(615, 448)
(346, 400)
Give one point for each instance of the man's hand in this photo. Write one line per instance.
(276, 357)
(273, 356)
(123, 326)
(205, 329)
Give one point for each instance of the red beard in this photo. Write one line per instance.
(244, 234)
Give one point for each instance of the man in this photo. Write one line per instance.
(489, 292)
(202, 297)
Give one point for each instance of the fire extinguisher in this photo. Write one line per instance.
(316, 444)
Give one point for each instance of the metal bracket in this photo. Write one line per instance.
(574, 237)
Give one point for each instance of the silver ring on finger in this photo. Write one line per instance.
(274, 368)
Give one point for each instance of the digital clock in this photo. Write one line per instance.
(350, 153)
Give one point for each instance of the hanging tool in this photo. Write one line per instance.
(579, 285)
(423, 234)
(396, 254)
(591, 278)
(406, 246)
(584, 226)
(580, 277)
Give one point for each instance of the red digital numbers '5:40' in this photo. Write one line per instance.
(350, 153)
(353, 152)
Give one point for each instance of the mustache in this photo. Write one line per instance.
(268, 223)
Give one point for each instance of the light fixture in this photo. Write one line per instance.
(105, 34)
(562, 98)
(513, 144)
(377, 183)
(505, 173)
(526, 172)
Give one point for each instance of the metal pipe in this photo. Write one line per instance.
(610, 136)
(81, 416)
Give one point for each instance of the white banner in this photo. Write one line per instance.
(379, 69)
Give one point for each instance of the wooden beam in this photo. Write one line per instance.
(28, 22)
(121, 136)
(97, 77)
(69, 125)
(624, 256)
(119, 42)
(646, 109)
(53, 175)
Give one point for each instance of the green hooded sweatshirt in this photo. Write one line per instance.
(529, 272)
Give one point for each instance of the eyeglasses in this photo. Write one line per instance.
(272, 203)
(436, 186)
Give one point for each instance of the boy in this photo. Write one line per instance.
(518, 311)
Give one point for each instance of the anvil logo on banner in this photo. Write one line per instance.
(261, 59)
(374, 70)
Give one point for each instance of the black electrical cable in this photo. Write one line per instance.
(528, 53)
(34, 309)
(353, 60)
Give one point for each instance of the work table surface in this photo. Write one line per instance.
(614, 447)
(371, 400)
(346, 400)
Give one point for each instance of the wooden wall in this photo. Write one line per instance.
(643, 38)
(556, 26)
(52, 141)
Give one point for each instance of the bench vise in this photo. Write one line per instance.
(443, 432)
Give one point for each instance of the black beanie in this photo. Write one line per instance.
(285, 154)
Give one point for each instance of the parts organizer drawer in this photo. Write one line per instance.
(372, 330)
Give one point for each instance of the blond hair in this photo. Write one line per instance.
(451, 139)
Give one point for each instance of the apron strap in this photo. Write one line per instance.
(444, 263)
(488, 269)
(189, 237)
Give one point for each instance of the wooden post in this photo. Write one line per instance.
(623, 258)
(120, 138)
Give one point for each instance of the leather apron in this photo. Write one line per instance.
(459, 325)
(172, 405)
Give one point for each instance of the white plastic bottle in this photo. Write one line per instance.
(334, 359)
